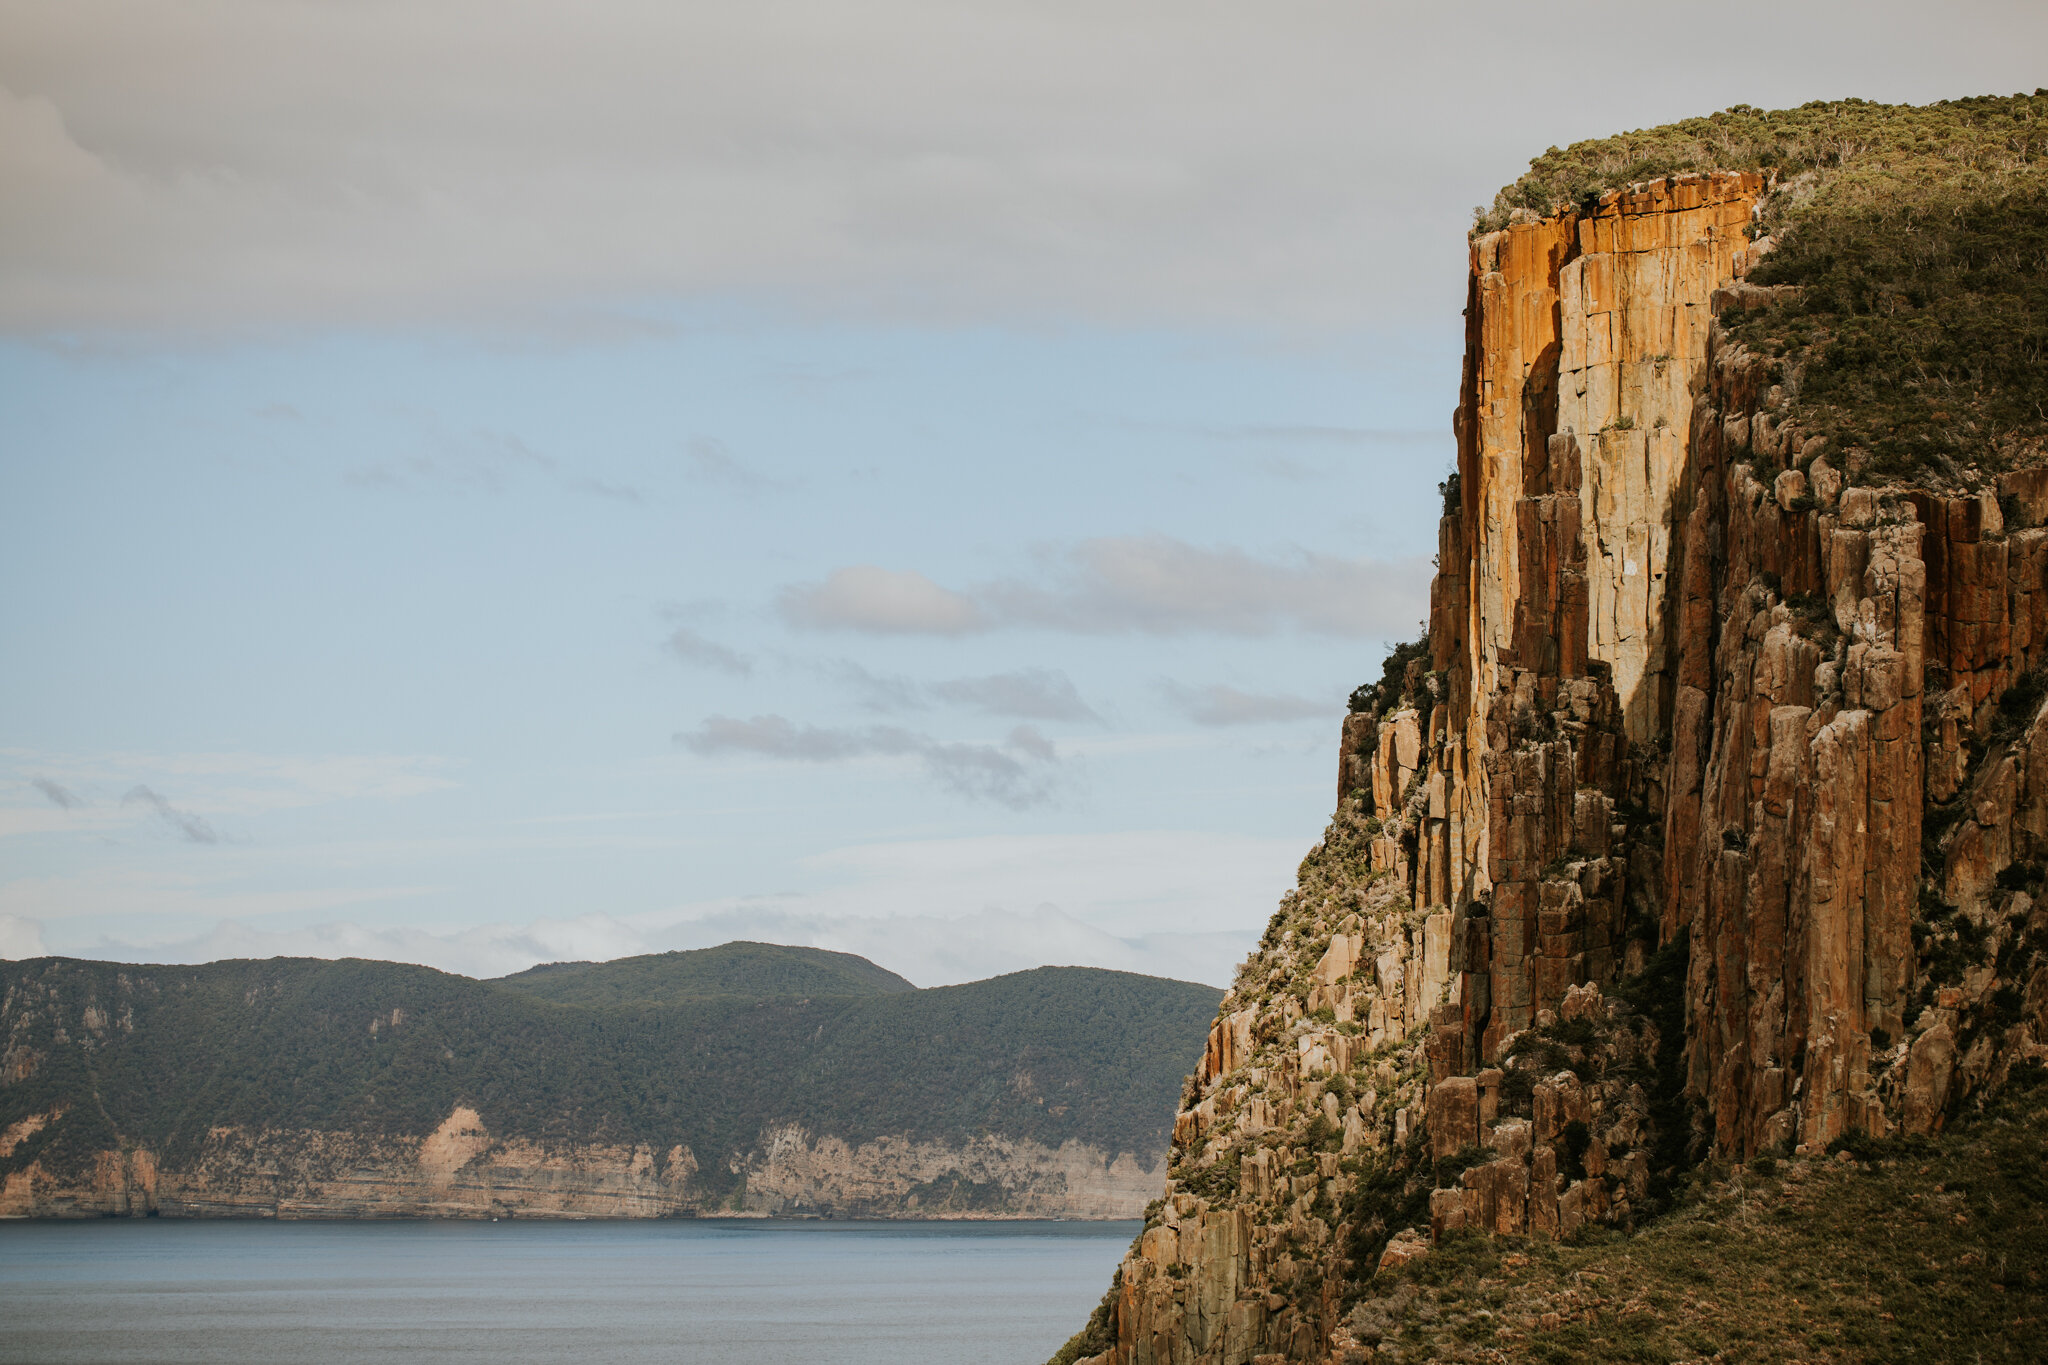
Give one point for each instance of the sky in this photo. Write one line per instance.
(492, 483)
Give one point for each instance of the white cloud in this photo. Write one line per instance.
(1156, 585)
(1146, 585)
(1164, 902)
(1219, 704)
(881, 601)
(1027, 693)
(486, 950)
(930, 950)
(20, 938)
(173, 895)
(938, 950)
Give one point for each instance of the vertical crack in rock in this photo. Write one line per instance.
(1629, 864)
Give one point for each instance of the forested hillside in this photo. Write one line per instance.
(698, 1052)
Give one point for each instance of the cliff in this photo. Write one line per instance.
(694, 1084)
(1707, 824)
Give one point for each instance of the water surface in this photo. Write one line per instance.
(742, 1292)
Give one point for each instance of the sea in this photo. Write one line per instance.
(739, 1292)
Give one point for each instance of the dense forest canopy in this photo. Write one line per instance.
(157, 1055)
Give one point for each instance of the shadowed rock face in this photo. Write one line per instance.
(1696, 709)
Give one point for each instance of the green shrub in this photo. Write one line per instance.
(1917, 238)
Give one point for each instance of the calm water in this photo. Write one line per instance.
(741, 1293)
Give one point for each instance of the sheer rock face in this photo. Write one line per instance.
(463, 1170)
(1687, 688)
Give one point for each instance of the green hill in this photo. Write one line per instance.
(754, 970)
(158, 1055)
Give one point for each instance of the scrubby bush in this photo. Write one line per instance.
(1917, 238)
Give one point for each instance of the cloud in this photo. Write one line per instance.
(20, 938)
(481, 460)
(1025, 693)
(193, 828)
(485, 950)
(59, 794)
(1156, 585)
(1028, 693)
(708, 461)
(245, 782)
(372, 163)
(693, 649)
(886, 693)
(1014, 775)
(880, 601)
(1146, 585)
(604, 488)
(929, 949)
(1177, 903)
(1219, 704)
(941, 949)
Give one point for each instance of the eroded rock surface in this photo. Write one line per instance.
(462, 1170)
(1713, 820)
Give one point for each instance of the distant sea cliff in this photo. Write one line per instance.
(744, 1080)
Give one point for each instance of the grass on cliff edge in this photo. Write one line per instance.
(1933, 1251)
(1918, 238)
(1861, 152)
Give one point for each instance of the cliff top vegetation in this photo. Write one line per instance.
(1860, 153)
(1915, 238)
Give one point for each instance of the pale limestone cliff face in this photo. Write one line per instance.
(795, 1173)
(463, 1170)
(1687, 687)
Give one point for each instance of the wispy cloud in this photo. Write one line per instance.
(1021, 694)
(693, 649)
(604, 488)
(224, 783)
(940, 910)
(481, 460)
(1147, 585)
(707, 460)
(193, 828)
(57, 792)
(865, 597)
(1219, 704)
(1026, 693)
(884, 693)
(1020, 773)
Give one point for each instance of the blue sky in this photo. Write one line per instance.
(479, 488)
